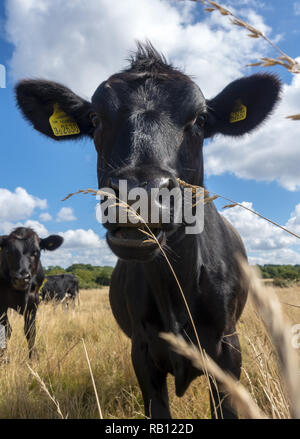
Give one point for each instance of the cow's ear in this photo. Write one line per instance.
(51, 243)
(242, 105)
(54, 110)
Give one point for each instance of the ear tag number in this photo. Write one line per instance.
(239, 113)
(61, 123)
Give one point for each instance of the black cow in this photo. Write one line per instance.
(21, 276)
(60, 288)
(148, 124)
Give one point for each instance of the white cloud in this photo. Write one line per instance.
(264, 242)
(81, 238)
(80, 246)
(252, 3)
(39, 228)
(66, 214)
(284, 256)
(45, 217)
(18, 205)
(66, 257)
(270, 153)
(97, 37)
(6, 227)
(294, 221)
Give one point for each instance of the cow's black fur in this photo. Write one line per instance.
(148, 124)
(21, 276)
(60, 287)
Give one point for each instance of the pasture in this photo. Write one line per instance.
(63, 368)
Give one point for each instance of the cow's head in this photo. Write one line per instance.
(148, 124)
(20, 255)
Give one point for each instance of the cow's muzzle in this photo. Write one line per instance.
(141, 224)
(21, 282)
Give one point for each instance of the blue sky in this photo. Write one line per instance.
(81, 43)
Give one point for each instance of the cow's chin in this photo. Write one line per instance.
(132, 243)
(21, 286)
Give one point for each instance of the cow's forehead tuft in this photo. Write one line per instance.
(23, 233)
(24, 237)
(128, 90)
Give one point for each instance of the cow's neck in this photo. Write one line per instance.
(169, 286)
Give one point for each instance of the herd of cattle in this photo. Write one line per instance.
(148, 124)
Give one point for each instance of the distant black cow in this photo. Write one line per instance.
(61, 288)
(148, 124)
(21, 276)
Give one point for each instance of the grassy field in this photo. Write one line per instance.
(63, 387)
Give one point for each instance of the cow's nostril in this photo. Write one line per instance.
(22, 278)
(168, 183)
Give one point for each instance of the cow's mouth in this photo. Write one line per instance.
(21, 285)
(143, 236)
(136, 243)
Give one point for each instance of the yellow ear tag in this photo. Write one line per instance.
(239, 113)
(61, 123)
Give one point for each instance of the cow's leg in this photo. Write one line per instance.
(229, 360)
(30, 330)
(73, 302)
(152, 381)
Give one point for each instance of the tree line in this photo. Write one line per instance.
(288, 272)
(88, 276)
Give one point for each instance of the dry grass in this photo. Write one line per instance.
(283, 393)
(63, 367)
(269, 308)
(261, 371)
(283, 59)
(240, 397)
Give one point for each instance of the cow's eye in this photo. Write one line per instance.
(190, 123)
(201, 119)
(95, 118)
(193, 121)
